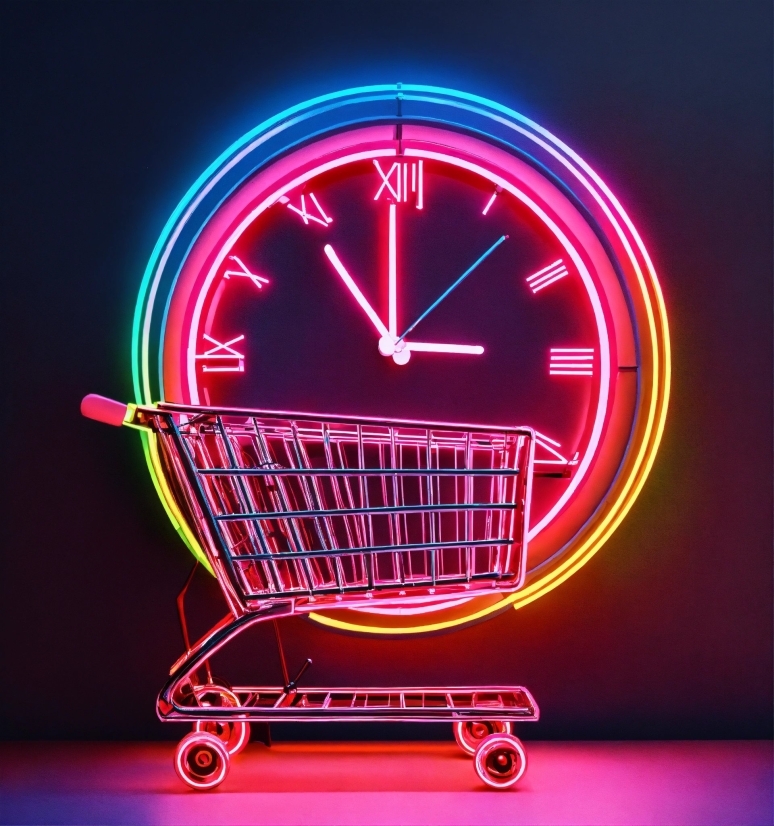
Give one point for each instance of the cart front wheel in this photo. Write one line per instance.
(500, 760)
(235, 734)
(469, 734)
(201, 760)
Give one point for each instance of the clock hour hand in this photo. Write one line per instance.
(456, 284)
(355, 290)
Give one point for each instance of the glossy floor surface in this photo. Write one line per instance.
(655, 783)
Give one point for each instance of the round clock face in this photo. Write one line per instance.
(401, 270)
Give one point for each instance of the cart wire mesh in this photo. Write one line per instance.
(304, 505)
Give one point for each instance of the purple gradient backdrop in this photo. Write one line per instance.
(111, 110)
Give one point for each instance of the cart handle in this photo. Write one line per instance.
(106, 410)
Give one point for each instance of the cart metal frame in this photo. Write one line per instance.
(300, 512)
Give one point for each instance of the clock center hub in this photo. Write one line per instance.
(398, 350)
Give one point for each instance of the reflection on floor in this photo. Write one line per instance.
(672, 783)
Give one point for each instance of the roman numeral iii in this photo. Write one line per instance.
(571, 361)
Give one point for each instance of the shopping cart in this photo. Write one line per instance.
(299, 512)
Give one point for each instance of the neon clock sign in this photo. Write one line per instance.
(418, 252)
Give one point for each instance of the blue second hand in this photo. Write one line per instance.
(459, 281)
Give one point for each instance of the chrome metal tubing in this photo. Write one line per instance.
(375, 511)
(289, 508)
(274, 703)
(375, 549)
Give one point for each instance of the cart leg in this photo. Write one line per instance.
(172, 702)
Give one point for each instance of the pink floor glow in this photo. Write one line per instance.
(703, 783)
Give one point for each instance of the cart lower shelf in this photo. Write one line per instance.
(482, 718)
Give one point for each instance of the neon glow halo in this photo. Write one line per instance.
(483, 119)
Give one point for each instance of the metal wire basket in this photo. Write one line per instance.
(300, 505)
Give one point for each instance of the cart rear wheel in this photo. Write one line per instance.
(234, 734)
(500, 760)
(201, 760)
(470, 733)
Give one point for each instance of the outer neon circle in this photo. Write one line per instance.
(506, 128)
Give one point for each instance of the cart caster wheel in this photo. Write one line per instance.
(201, 760)
(234, 734)
(500, 760)
(469, 734)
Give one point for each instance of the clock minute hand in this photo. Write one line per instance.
(355, 290)
(456, 284)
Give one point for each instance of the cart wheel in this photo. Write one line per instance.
(234, 734)
(469, 734)
(500, 760)
(201, 760)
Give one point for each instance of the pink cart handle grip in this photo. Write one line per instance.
(104, 410)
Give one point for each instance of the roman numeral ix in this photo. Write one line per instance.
(226, 357)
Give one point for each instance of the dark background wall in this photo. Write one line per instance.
(111, 110)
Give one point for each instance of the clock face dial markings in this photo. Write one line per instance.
(244, 272)
(386, 180)
(571, 361)
(321, 217)
(548, 275)
(498, 190)
(396, 181)
(222, 357)
(327, 218)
